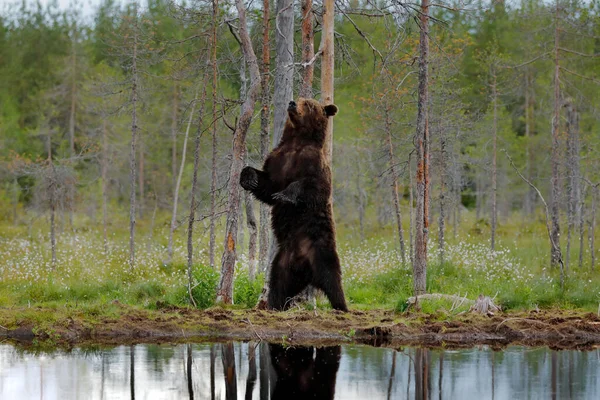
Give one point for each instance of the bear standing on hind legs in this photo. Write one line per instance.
(296, 182)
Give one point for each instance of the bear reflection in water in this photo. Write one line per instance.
(305, 372)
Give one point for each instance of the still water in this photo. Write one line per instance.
(267, 371)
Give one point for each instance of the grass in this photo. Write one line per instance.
(86, 278)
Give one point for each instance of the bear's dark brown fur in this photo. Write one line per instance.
(296, 182)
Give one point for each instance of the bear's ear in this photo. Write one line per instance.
(331, 110)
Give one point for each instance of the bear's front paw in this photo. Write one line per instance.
(249, 178)
(289, 194)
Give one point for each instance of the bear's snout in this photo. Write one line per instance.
(292, 106)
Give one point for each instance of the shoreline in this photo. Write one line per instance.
(70, 327)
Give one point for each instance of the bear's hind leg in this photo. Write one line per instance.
(328, 277)
(285, 282)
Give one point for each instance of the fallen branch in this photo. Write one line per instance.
(484, 305)
(437, 296)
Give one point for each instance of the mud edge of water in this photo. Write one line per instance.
(558, 329)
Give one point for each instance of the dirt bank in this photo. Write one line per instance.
(118, 324)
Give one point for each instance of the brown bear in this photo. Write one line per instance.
(296, 182)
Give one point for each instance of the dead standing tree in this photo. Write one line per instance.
(422, 156)
(264, 132)
(225, 289)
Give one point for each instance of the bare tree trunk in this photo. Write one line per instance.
(73, 106)
(573, 183)
(327, 71)
(225, 290)
(284, 65)
(422, 149)
(411, 227)
(494, 161)
(395, 197)
(213, 179)
(104, 185)
(530, 194)
(193, 205)
(179, 176)
(592, 228)
(251, 222)
(142, 206)
(174, 117)
(132, 153)
(442, 218)
(283, 93)
(581, 223)
(308, 50)
(264, 133)
(554, 208)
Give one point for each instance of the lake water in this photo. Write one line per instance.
(263, 371)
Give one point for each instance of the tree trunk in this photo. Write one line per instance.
(592, 228)
(573, 183)
(581, 223)
(494, 161)
(327, 71)
(411, 213)
(190, 383)
(422, 150)
(193, 204)
(225, 290)
(395, 197)
(133, 150)
(284, 65)
(174, 117)
(142, 206)
(179, 176)
(264, 134)
(555, 159)
(251, 223)
(72, 109)
(530, 194)
(442, 218)
(308, 50)
(213, 178)
(104, 184)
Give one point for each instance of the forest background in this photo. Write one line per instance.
(117, 135)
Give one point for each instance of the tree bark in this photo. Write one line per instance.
(555, 158)
(308, 50)
(284, 65)
(104, 172)
(179, 176)
(494, 160)
(264, 133)
(327, 71)
(394, 172)
(213, 176)
(133, 150)
(592, 228)
(252, 230)
(442, 218)
(174, 117)
(225, 290)
(573, 182)
(193, 203)
(422, 150)
(411, 213)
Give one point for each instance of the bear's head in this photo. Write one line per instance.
(307, 119)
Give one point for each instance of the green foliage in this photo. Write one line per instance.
(204, 290)
(246, 292)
